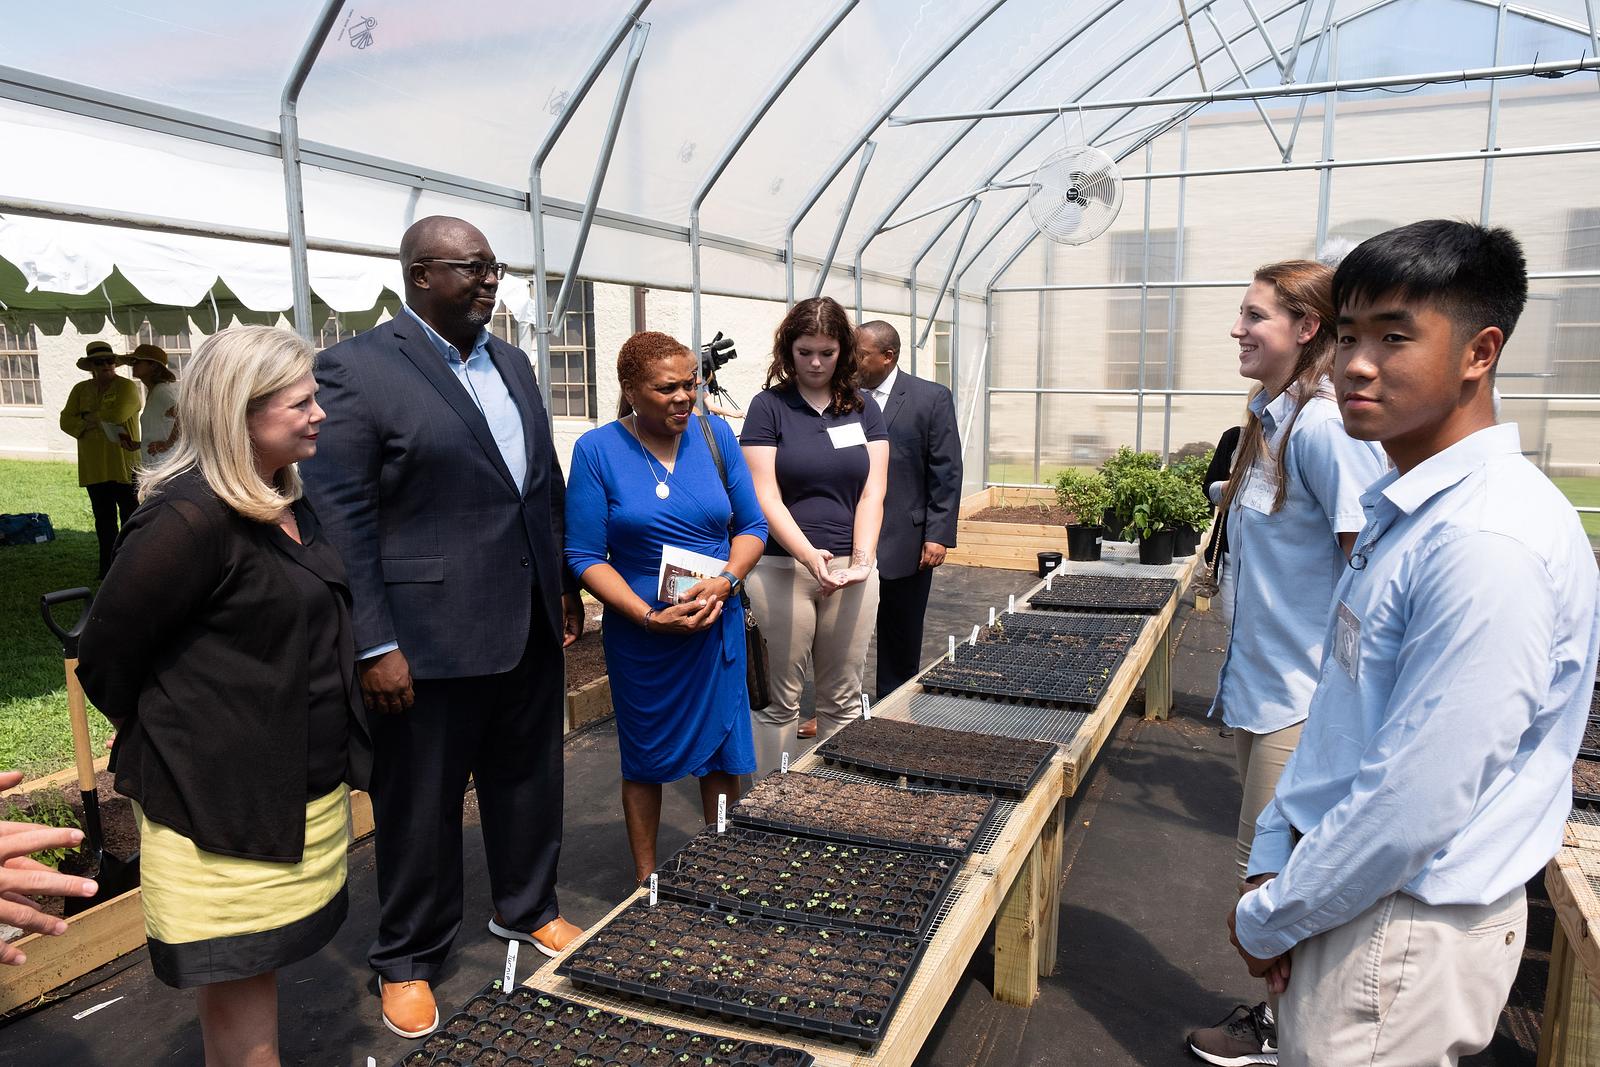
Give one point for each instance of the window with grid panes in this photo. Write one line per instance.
(572, 377)
(175, 345)
(941, 354)
(1162, 312)
(19, 366)
(1577, 341)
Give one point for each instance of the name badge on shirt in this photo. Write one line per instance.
(1347, 640)
(1260, 489)
(847, 436)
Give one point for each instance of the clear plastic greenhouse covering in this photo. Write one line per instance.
(169, 111)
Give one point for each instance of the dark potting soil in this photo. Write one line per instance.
(116, 819)
(1591, 736)
(1586, 781)
(532, 1028)
(1054, 515)
(586, 659)
(844, 983)
(1040, 658)
(955, 757)
(790, 877)
(1095, 592)
(866, 812)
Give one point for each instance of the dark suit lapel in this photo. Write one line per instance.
(416, 347)
(524, 392)
(897, 399)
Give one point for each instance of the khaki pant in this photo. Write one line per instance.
(805, 630)
(1261, 758)
(1404, 983)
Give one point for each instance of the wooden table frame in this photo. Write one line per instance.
(1570, 1034)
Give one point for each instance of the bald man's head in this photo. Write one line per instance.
(877, 351)
(452, 297)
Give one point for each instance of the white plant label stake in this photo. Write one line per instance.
(866, 707)
(952, 648)
(653, 881)
(974, 638)
(1011, 605)
(991, 616)
(1049, 580)
(511, 966)
(722, 813)
(784, 766)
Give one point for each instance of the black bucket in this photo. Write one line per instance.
(1185, 542)
(1049, 561)
(1156, 548)
(1083, 542)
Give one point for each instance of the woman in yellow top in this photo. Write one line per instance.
(98, 413)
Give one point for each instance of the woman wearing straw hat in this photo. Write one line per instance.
(158, 422)
(221, 647)
(99, 412)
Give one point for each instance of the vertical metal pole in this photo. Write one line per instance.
(541, 295)
(1492, 136)
(1144, 302)
(1172, 297)
(933, 313)
(955, 343)
(844, 216)
(1245, 80)
(912, 337)
(1316, 54)
(1589, 8)
(1038, 361)
(1330, 105)
(289, 146)
(630, 66)
(988, 382)
(857, 273)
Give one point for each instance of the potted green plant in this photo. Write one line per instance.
(1192, 513)
(1125, 464)
(1084, 494)
(1148, 499)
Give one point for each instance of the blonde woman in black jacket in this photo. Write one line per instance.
(221, 647)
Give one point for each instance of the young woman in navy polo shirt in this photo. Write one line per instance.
(818, 452)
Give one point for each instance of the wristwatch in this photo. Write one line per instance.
(735, 583)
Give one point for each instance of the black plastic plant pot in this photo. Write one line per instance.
(1185, 542)
(552, 1031)
(876, 814)
(1586, 783)
(1156, 548)
(839, 983)
(1083, 542)
(1112, 524)
(1048, 561)
(784, 876)
(1006, 766)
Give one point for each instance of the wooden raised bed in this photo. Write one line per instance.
(589, 703)
(1004, 545)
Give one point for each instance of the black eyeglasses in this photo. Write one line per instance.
(472, 268)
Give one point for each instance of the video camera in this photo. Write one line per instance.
(714, 355)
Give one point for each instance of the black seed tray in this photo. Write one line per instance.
(591, 1037)
(833, 987)
(1590, 748)
(766, 875)
(965, 815)
(1096, 631)
(1005, 765)
(1586, 783)
(1030, 673)
(1095, 592)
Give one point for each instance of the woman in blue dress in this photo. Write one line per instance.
(646, 481)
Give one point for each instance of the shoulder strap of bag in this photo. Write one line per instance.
(711, 443)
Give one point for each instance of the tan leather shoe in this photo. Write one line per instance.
(807, 729)
(408, 1008)
(552, 938)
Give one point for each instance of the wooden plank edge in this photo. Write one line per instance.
(1561, 876)
(93, 939)
(65, 776)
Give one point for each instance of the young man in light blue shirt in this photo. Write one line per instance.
(1433, 776)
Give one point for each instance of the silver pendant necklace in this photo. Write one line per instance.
(663, 490)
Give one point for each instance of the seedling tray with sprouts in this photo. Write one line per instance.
(1586, 782)
(1109, 593)
(1036, 659)
(788, 877)
(1590, 748)
(531, 1028)
(878, 815)
(818, 979)
(1008, 766)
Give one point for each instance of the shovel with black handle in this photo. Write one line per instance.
(115, 876)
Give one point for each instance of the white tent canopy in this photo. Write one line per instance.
(169, 110)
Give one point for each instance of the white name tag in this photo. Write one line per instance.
(847, 436)
(1260, 489)
(1347, 640)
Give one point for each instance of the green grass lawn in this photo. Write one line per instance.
(35, 737)
(1584, 493)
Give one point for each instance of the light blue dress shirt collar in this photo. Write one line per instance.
(446, 349)
(1439, 472)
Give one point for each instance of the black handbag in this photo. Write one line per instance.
(755, 645)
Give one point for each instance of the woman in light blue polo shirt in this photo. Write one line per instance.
(1293, 507)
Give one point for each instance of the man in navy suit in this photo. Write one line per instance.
(436, 478)
(920, 506)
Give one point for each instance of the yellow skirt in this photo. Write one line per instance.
(212, 918)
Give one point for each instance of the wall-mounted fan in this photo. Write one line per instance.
(1075, 195)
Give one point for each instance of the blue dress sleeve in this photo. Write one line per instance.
(587, 506)
(747, 516)
(761, 421)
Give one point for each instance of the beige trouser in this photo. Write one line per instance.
(804, 630)
(1261, 758)
(1403, 983)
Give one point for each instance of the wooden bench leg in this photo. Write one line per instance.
(1050, 890)
(1158, 678)
(1570, 1034)
(1016, 934)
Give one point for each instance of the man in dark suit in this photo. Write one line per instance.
(924, 494)
(436, 478)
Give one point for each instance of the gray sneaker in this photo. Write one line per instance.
(1247, 1035)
